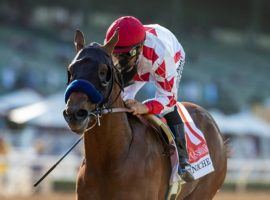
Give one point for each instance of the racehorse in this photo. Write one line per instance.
(123, 156)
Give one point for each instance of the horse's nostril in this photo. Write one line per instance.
(67, 116)
(81, 114)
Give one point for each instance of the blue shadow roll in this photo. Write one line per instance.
(86, 87)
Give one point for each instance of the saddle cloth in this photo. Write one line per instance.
(199, 158)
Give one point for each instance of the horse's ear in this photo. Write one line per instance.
(109, 46)
(78, 40)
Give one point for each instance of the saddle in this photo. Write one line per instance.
(162, 130)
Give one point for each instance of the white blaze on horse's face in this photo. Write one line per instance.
(76, 112)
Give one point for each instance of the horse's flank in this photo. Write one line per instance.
(206, 187)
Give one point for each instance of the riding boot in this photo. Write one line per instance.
(180, 141)
(176, 125)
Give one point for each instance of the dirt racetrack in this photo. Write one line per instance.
(220, 196)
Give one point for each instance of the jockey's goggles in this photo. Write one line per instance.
(128, 55)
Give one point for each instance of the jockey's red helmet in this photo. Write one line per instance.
(131, 33)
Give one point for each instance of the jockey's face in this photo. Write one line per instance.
(127, 63)
(129, 57)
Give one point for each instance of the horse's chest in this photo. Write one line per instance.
(123, 185)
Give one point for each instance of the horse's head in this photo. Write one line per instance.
(90, 81)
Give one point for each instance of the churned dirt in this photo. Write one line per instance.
(243, 195)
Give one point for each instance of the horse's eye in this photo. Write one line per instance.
(102, 74)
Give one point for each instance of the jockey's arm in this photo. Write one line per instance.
(165, 78)
(131, 90)
(166, 83)
(164, 99)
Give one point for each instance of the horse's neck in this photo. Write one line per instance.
(108, 143)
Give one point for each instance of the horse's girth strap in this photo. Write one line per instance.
(159, 127)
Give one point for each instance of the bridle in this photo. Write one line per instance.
(105, 106)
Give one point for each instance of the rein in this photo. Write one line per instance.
(97, 114)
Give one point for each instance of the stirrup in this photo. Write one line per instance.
(185, 174)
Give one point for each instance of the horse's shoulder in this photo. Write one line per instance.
(141, 127)
(136, 124)
(133, 120)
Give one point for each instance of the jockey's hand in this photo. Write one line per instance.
(136, 107)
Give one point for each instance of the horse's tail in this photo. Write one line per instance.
(226, 141)
(228, 147)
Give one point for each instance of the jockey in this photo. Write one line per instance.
(151, 53)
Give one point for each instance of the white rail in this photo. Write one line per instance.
(244, 171)
(18, 172)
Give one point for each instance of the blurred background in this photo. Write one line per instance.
(227, 71)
